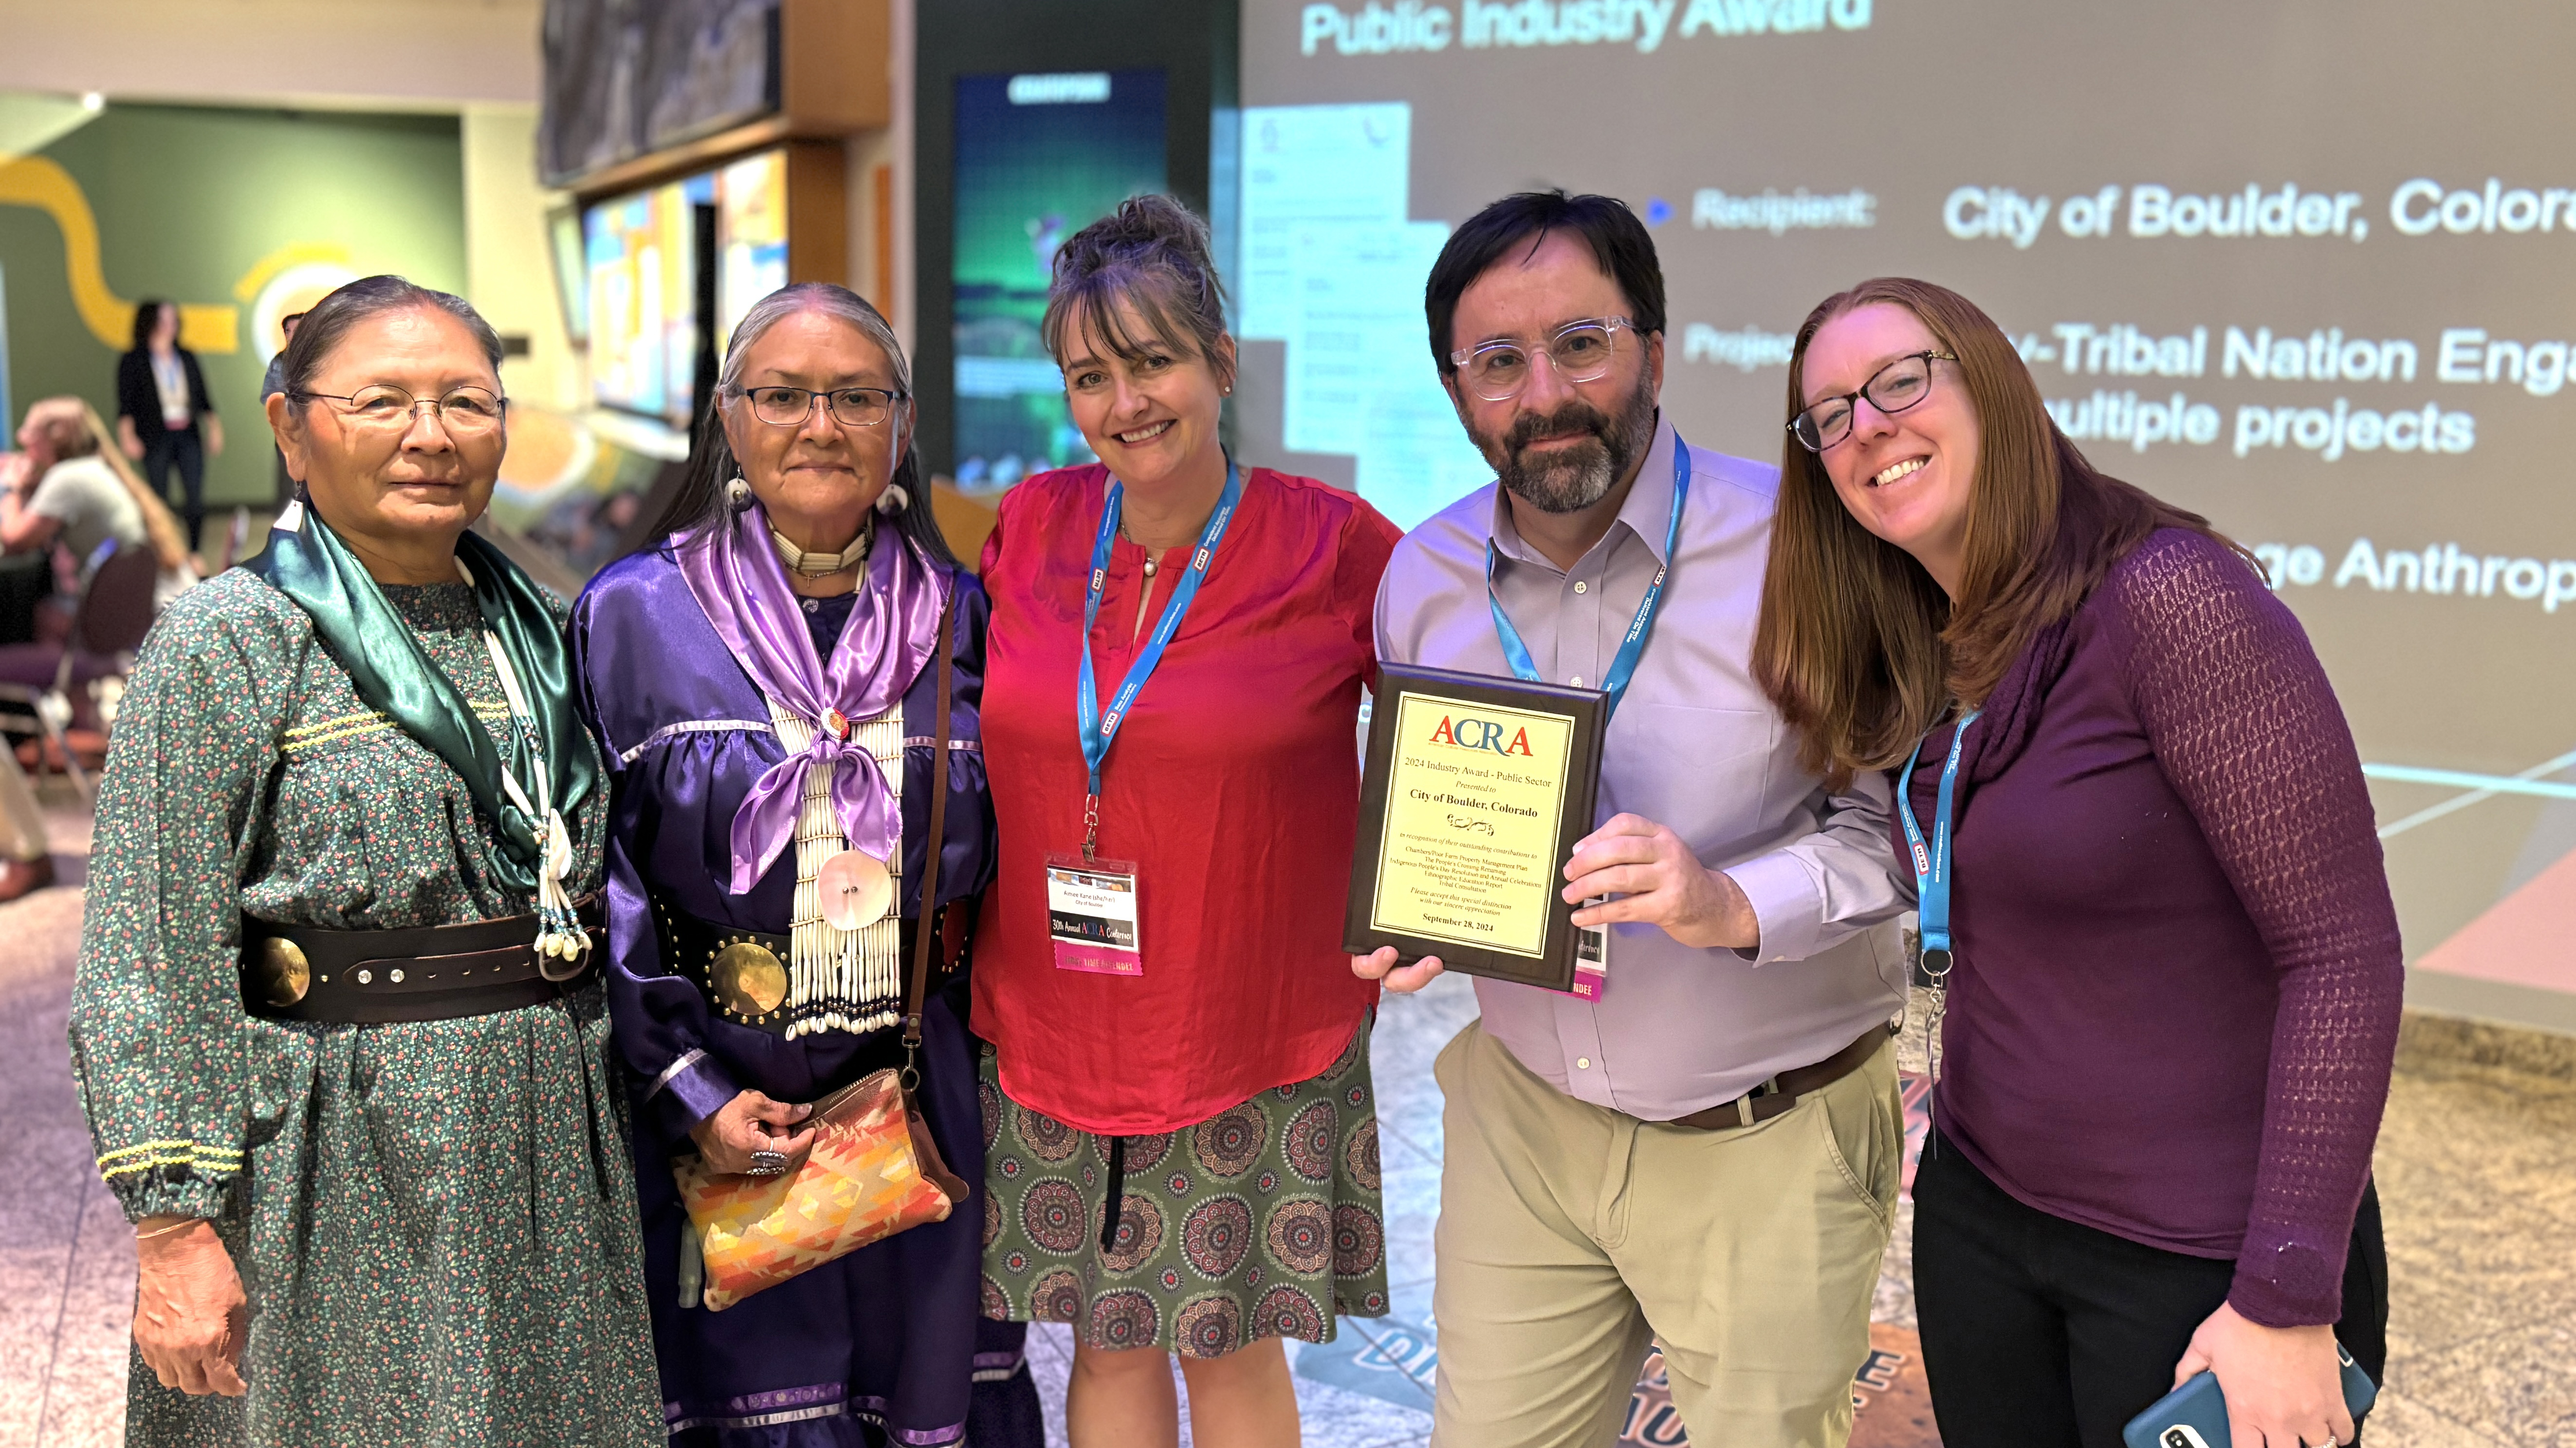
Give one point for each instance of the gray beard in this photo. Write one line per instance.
(1570, 480)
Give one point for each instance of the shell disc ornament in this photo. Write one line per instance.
(855, 890)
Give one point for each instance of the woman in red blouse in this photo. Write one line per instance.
(1183, 1137)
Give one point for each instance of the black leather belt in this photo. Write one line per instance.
(433, 973)
(1776, 1096)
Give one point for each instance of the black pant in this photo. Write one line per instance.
(183, 449)
(2039, 1332)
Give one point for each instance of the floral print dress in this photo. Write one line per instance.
(434, 1221)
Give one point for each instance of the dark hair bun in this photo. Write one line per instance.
(1152, 256)
(1146, 228)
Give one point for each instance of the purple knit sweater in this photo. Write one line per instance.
(2178, 978)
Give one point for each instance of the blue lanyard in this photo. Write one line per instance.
(1100, 730)
(1623, 664)
(1932, 866)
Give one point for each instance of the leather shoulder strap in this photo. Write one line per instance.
(927, 924)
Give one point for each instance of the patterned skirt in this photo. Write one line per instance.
(1262, 1221)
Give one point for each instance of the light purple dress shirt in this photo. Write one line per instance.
(1697, 747)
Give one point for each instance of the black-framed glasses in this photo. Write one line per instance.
(1891, 389)
(465, 411)
(1580, 351)
(851, 406)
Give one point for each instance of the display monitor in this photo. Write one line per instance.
(642, 254)
(1038, 157)
(750, 198)
(2302, 267)
(645, 289)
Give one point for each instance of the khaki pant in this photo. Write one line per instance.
(1570, 1234)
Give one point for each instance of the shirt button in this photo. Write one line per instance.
(1583, 1063)
(812, 607)
(1578, 681)
(1582, 587)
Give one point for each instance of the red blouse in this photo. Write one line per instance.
(1233, 785)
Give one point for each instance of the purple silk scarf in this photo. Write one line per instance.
(737, 579)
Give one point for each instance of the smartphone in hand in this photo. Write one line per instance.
(2195, 1414)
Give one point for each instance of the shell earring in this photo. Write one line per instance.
(893, 500)
(737, 494)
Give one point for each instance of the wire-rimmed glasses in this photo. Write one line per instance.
(464, 411)
(850, 406)
(1580, 351)
(1891, 389)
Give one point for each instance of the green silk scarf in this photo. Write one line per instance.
(310, 565)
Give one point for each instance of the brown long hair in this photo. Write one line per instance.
(75, 430)
(1857, 645)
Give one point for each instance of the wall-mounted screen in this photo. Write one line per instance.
(750, 197)
(1038, 157)
(642, 255)
(644, 288)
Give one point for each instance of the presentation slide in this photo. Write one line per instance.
(2308, 269)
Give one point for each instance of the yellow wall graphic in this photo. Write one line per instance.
(37, 182)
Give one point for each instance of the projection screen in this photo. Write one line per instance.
(2307, 268)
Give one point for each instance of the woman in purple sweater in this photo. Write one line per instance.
(2174, 968)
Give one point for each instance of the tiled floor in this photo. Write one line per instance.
(2477, 1168)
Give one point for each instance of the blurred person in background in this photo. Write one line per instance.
(68, 486)
(1185, 1136)
(765, 680)
(165, 418)
(2169, 964)
(336, 1029)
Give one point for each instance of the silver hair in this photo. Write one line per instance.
(839, 303)
(701, 502)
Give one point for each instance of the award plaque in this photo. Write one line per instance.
(1475, 791)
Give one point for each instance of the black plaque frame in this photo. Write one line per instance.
(1589, 712)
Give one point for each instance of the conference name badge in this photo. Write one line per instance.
(1092, 915)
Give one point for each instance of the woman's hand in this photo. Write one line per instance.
(751, 1122)
(214, 435)
(128, 439)
(190, 1317)
(1379, 965)
(2284, 1385)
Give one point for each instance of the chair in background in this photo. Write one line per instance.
(115, 613)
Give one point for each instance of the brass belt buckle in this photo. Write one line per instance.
(283, 974)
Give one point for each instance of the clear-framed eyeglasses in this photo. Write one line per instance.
(1580, 351)
(464, 411)
(1891, 389)
(850, 406)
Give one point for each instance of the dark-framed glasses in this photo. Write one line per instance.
(1891, 389)
(851, 406)
(466, 411)
(1580, 351)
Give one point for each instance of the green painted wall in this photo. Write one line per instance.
(189, 201)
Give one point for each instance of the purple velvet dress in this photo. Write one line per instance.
(888, 1344)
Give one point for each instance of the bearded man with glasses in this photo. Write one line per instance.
(1707, 1152)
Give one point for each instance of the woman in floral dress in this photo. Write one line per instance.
(377, 1169)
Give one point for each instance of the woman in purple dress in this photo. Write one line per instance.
(764, 687)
